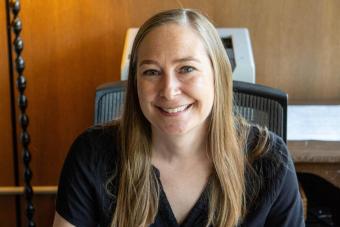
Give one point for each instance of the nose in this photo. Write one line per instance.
(170, 86)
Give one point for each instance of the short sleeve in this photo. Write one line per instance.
(76, 199)
(286, 209)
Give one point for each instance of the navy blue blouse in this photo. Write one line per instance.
(83, 198)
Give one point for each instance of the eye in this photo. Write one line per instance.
(186, 69)
(151, 72)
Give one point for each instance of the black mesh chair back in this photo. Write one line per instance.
(258, 104)
(262, 105)
(110, 98)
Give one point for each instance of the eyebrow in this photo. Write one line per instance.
(187, 59)
(148, 61)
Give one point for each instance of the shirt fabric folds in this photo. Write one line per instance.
(85, 198)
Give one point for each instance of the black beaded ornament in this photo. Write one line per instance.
(23, 118)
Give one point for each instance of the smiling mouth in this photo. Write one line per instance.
(176, 109)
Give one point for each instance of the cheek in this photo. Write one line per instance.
(142, 99)
(210, 86)
(140, 91)
(204, 86)
(145, 92)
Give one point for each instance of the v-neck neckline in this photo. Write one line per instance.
(200, 207)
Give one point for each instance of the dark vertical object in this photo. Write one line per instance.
(13, 116)
(23, 119)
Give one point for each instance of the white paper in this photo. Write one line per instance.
(313, 122)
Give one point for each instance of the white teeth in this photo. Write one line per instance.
(175, 110)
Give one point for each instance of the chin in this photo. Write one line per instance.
(181, 130)
(174, 132)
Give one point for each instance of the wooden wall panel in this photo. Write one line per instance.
(44, 210)
(7, 208)
(295, 44)
(6, 160)
(69, 51)
(70, 48)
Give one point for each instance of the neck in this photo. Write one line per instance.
(179, 148)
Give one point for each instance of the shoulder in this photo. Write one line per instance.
(91, 161)
(271, 186)
(270, 167)
(98, 136)
(98, 142)
(274, 149)
(94, 153)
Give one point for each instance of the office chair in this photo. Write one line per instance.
(256, 103)
(109, 101)
(262, 105)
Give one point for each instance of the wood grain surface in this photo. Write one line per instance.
(7, 208)
(75, 47)
(71, 47)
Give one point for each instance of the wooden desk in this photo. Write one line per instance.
(318, 157)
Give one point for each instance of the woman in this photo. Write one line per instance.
(178, 156)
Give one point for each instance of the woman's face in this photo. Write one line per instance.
(175, 80)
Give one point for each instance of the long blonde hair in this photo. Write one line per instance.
(138, 190)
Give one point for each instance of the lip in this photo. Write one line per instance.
(174, 111)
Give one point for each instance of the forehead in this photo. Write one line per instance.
(172, 39)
